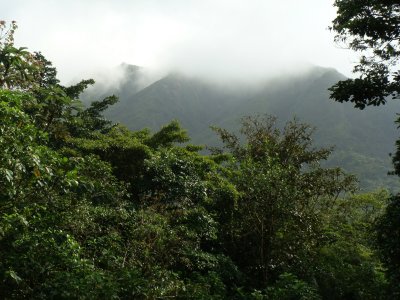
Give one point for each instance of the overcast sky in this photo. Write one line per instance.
(217, 38)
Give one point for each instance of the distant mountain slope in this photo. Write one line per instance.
(363, 139)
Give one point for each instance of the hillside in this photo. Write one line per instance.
(362, 139)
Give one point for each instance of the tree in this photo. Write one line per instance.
(373, 28)
(280, 182)
(86, 203)
(349, 266)
(388, 241)
(18, 67)
(44, 203)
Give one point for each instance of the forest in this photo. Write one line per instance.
(90, 209)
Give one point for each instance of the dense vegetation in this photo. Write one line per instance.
(373, 28)
(92, 210)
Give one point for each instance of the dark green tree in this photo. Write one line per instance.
(388, 241)
(44, 203)
(18, 67)
(372, 28)
(349, 266)
(280, 183)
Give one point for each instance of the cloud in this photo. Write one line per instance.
(208, 38)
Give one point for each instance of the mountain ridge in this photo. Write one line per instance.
(362, 139)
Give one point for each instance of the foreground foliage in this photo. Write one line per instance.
(92, 210)
(373, 28)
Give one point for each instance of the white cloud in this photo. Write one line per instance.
(214, 38)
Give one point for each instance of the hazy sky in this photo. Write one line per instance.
(217, 38)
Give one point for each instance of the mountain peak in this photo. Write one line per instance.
(129, 69)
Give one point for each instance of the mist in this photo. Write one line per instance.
(216, 40)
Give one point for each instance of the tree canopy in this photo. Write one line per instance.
(373, 29)
(92, 210)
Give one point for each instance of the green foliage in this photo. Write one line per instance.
(18, 67)
(92, 117)
(276, 225)
(349, 266)
(372, 27)
(369, 26)
(40, 253)
(288, 287)
(388, 239)
(20, 141)
(92, 210)
(169, 134)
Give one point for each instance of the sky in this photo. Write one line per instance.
(241, 39)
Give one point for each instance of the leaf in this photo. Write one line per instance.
(14, 276)
(36, 172)
(9, 175)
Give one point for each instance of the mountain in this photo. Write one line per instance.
(362, 139)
